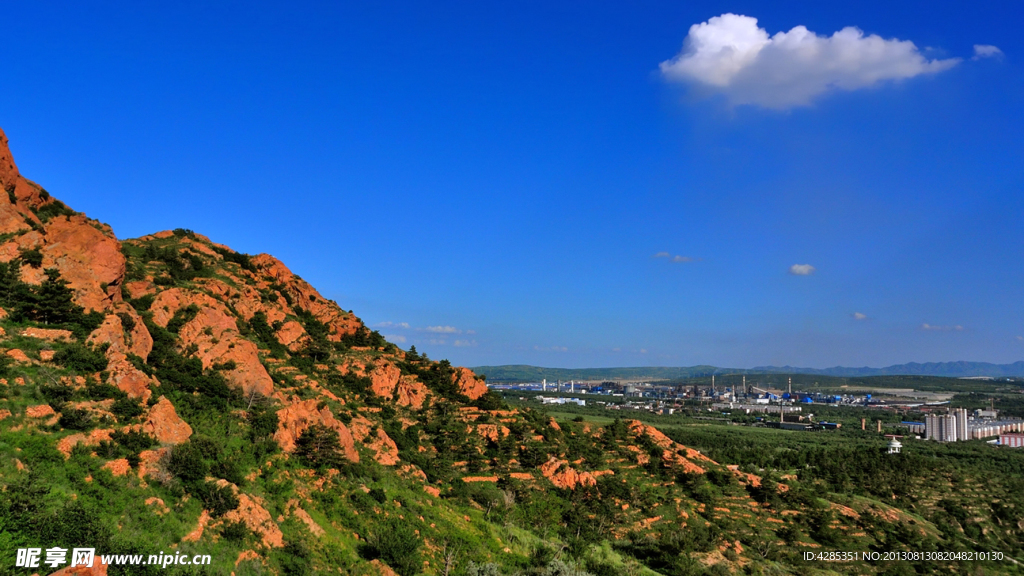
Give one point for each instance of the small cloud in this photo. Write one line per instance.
(404, 325)
(464, 343)
(394, 338)
(470, 331)
(732, 56)
(551, 349)
(801, 269)
(643, 350)
(443, 330)
(859, 316)
(678, 259)
(1020, 337)
(661, 255)
(986, 51)
(437, 342)
(620, 349)
(934, 328)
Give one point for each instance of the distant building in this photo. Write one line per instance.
(951, 427)
(1012, 440)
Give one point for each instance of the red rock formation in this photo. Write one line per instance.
(66, 444)
(293, 421)
(251, 512)
(384, 378)
(469, 384)
(164, 424)
(384, 448)
(411, 392)
(47, 334)
(40, 411)
(214, 332)
(119, 467)
(18, 355)
(563, 476)
(307, 298)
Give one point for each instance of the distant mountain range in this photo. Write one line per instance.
(961, 369)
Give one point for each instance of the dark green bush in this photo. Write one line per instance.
(32, 257)
(75, 419)
(81, 358)
(396, 544)
(187, 463)
(318, 446)
(126, 408)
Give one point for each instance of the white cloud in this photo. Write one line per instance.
(674, 259)
(643, 350)
(1020, 337)
(551, 349)
(404, 325)
(986, 51)
(730, 55)
(437, 342)
(464, 343)
(860, 316)
(443, 330)
(933, 328)
(802, 269)
(394, 338)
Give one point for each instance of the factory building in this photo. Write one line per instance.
(1012, 440)
(957, 427)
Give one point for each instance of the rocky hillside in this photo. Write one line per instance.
(167, 394)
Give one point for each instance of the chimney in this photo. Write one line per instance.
(879, 426)
(863, 423)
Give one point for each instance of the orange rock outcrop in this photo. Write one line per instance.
(469, 384)
(296, 418)
(163, 423)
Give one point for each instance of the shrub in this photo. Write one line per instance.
(127, 321)
(219, 500)
(235, 531)
(126, 408)
(75, 419)
(396, 544)
(33, 257)
(181, 317)
(187, 462)
(318, 446)
(81, 358)
(55, 208)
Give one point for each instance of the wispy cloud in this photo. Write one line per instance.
(677, 259)
(859, 316)
(464, 343)
(394, 338)
(986, 51)
(802, 269)
(1020, 337)
(732, 56)
(934, 328)
(404, 325)
(443, 330)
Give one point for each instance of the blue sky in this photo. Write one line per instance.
(492, 182)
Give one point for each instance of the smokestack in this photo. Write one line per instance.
(791, 386)
(879, 426)
(863, 423)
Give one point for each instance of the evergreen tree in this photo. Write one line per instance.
(54, 305)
